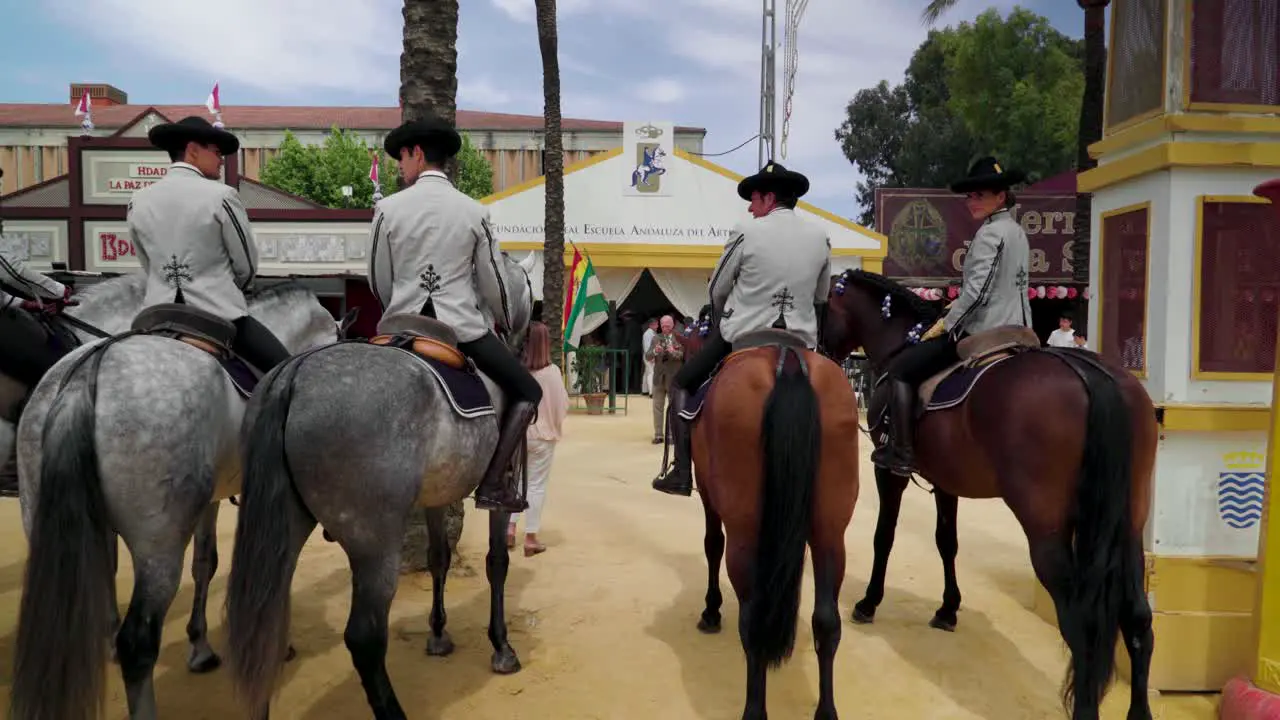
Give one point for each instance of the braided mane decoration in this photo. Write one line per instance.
(922, 310)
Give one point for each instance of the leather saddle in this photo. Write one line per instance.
(203, 331)
(423, 336)
(769, 337)
(977, 353)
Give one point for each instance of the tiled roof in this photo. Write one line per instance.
(269, 117)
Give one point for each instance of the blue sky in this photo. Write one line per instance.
(694, 62)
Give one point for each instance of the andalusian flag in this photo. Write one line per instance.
(584, 300)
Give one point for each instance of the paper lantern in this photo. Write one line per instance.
(1087, 294)
(1051, 292)
(1031, 293)
(953, 292)
(1040, 292)
(1072, 293)
(1062, 291)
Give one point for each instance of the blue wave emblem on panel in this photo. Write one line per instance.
(1240, 497)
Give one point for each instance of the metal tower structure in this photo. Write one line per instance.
(768, 76)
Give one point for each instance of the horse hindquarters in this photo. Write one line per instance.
(272, 527)
(791, 439)
(64, 621)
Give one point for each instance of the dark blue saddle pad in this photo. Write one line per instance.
(465, 389)
(244, 378)
(955, 388)
(694, 406)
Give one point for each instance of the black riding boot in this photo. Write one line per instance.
(678, 479)
(899, 456)
(496, 491)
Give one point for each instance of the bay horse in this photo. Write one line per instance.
(128, 437)
(1065, 437)
(354, 437)
(776, 471)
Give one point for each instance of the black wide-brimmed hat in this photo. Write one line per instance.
(774, 178)
(175, 136)
(429, 132)
(988, 174)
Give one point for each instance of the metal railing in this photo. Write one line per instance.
(604, 391)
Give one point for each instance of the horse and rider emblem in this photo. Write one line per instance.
(649, 167)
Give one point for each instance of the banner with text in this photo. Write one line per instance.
(930, 230)
(648, 146)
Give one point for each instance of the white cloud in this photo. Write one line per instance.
(662, 91)
(482, 94)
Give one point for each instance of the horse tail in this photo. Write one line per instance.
(1105, 553)
(265, 556)
(64, 620)
(791, 438)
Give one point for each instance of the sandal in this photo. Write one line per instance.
(534, 549)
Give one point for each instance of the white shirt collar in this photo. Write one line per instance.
(186, 166)
(432, 173)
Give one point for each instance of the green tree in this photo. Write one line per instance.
(318, 172)
(1004, 86)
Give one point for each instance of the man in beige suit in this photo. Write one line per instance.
(193, 237)
(432, 254)
(774, 273)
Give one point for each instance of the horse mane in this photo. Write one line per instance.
(119, 287)
(278, 293)
(923, 310)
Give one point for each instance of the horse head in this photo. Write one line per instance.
(294, 314)
(516, 279)
(870, 311)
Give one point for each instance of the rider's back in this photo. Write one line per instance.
(435, 236)
(784, 265)
(178, 223)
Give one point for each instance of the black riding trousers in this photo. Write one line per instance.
(258, 345)
(698, 368)
(494, 359)
(25, 352)
(917, 363)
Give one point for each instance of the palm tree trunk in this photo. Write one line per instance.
(553, 225)
(429, 86)
(1091, 111)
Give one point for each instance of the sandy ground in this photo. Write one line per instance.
(604, 621)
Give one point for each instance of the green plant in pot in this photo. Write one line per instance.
(591, 372)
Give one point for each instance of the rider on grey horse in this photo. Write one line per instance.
(26, 353)
(432, 253)
(774, 273)
(993, 293)
(193, 237)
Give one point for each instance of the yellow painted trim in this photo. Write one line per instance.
(727, 173)
(1146, 290)
(1268, 598)
(1197, 290)
(639, 255)
(1180, 154)
(1153, 128)
(1107, 127)
(1208, 417)
(542, 179)
(873, 265)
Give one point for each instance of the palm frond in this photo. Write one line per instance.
(935, 10)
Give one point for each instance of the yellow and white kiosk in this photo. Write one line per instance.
(1185, 267)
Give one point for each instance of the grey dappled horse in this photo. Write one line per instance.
(139, 440)
(354, 437)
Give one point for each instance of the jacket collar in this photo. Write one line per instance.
(434, 174)
(188, 167)
(1001, 214)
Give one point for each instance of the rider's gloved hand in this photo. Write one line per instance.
(67, 300)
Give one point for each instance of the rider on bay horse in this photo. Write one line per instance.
(26, 353)
(192, 236)
(775, 272)
(432, 253)
(993, 293)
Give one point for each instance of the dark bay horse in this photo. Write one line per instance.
(776, 472)
(1068, 440)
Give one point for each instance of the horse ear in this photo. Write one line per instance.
(348, 320)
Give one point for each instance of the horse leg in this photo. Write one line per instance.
(204, 563)
(496, 563)
(713, 545)
(948, 545)
(373, 585)
(155, 584)
(1051, 560)
(828, 572)
(1135, 624)
(113, 552)
(890, 488)
(755, 708)
(439, 556)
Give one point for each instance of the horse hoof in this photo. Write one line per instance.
(940, 623)
(505, 662)
(291, 654)
(709, 626)
(863, 617)
(206, 664)
(440, 646)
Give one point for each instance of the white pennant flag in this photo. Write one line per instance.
(214, 104)
(83, 107)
